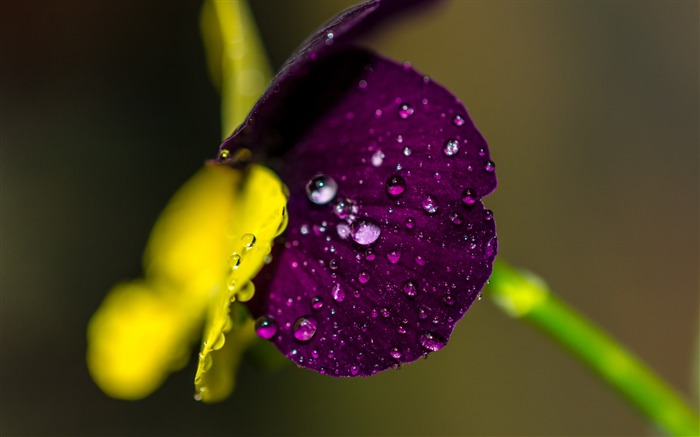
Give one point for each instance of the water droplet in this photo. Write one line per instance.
(362, 84)
(431, 341)
(377, 158)
(488, 215)
(231, 283)
(354, 370)
(490, 166)
(321, 189)
(337, 293)
(385, 312)
(343, 230)
(456, 218)
(458, 120)
(451, 147)
(224, 153)
(395, 185)
(423, 312)
(393, 256)
(265, 327)
(333, 264)
(234, 260)
(449, 300)
(345, 208)
(405, 111)
(369, 255)
(365, 231)
(410, 223)
(363, 277)
(469, 197)
(407, 151)
(305, 328)
(420, 260)
(429, 205)
(317, 303)
(219, 343)
(246, 292)
(248, 240)
(395, 354)
(409, 288)
(482, 152)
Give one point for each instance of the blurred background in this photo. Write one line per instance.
(591, 112)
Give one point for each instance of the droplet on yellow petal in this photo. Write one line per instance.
(259, 216)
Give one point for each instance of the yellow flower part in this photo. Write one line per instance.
(210, 241)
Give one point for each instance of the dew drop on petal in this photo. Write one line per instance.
(317, 303)
(345, 207)
(458, 120)
(377, 158)
(490, 166)
(395, 354)
(405, 111)
(456, 218)
(431, 341)
(410, 223)
(365, 231)
(321, 189)
(429, 205)
(363, 277)
(337, 293)
(265, 327)
(450, 148)
(248, 240)
(409, 288)
(469, 197)
(488, 215)
(343, 230)
(234, 260)
(395, 185)
(304, 328)
(393, 256)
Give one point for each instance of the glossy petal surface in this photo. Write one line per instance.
(381, 274)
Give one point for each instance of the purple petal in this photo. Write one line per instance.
(381, 274)
(334, 36)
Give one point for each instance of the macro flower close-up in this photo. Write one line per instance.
(387, 242)
(349, 217)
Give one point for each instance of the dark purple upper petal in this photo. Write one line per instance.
(257, 132)
(381, 274)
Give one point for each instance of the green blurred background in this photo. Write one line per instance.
(591, 112)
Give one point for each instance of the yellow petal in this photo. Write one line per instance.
(143, 329)
(137, 337)
(237, 62)
(259, 216)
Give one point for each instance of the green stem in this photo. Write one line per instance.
(525, 296)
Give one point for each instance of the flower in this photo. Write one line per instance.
(387, 243)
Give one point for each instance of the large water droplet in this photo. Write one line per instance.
(365, 231)
(219, 343)
(429, 205)
(451, 147)
(305, 328)
(409, 288)
(395, 185)
(246, 293)
(321, 189)
(265, 327)
(345, 208)
(405, 111)
(490, 166)
(337, 293)
(431, 341)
